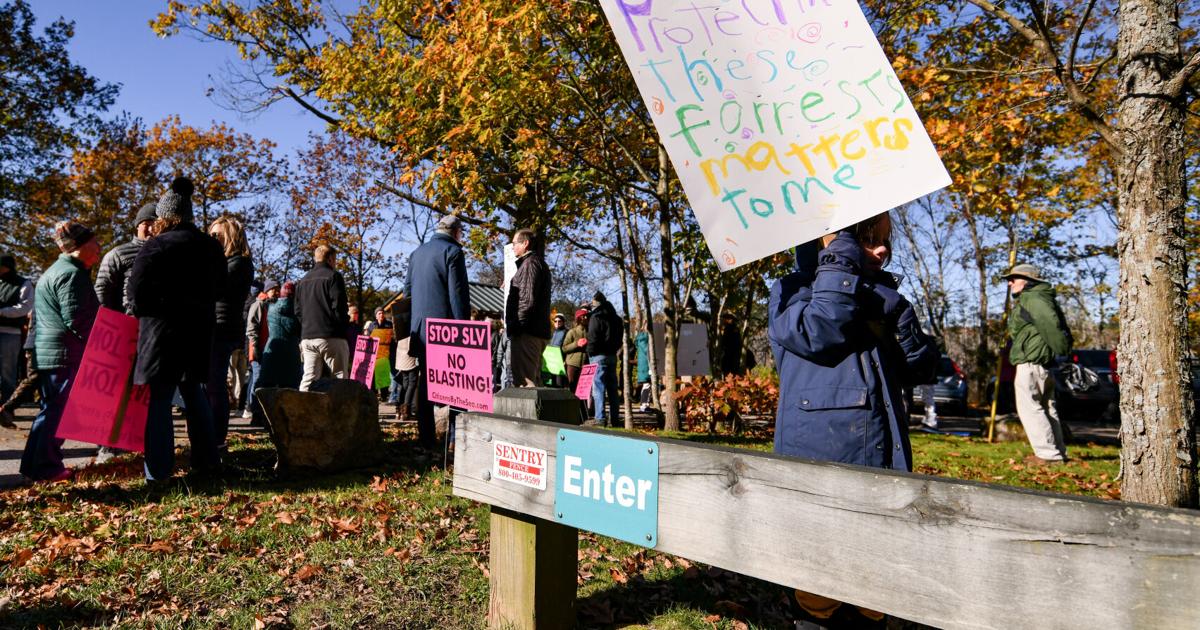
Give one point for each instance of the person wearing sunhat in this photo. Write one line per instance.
(174, 285)
(65, 306)
(1039, 335)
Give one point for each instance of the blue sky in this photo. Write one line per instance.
(161, 77)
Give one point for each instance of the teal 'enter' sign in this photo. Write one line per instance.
(608, 485)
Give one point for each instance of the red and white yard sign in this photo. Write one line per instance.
(520, 465)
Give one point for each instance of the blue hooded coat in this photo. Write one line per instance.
(842, 365)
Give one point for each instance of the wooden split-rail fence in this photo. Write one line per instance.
(942, 552)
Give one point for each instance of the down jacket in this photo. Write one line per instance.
(114, 270)
(842, 366)
(1036, 324)
(527, 311)
(64, 306)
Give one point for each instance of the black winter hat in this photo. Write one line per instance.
(176, 203)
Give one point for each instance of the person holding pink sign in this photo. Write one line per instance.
(65, 306)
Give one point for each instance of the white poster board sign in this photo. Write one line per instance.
(692, 358)
(783, 118)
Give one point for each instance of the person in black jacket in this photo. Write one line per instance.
(230, 333)
(173, 288)
(527, 312)
(112, 277)
(603, 344)
(323, 314)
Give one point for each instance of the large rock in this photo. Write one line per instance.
(333, 427)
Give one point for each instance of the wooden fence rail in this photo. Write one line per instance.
(947, 553)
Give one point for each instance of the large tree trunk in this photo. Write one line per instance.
(1158, 448)
(670, 345)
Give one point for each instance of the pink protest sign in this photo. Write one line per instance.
(458, 363)
(104, 407)
(366, 350)
(583, 389)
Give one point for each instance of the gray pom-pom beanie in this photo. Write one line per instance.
(176, 203)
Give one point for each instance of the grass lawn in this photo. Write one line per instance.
(384, 548)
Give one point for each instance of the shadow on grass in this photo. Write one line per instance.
(57, 613)
(705, 592)
(249, 467)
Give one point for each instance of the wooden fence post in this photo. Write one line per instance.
(534, 562)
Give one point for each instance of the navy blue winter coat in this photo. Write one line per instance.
(842, 367)
(437, 283)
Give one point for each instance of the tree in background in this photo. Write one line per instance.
(338, 198)
(48, 104)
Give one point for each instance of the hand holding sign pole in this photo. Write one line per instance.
(784, 120)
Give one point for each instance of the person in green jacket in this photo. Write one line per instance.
(65, 306)
(1039, 335)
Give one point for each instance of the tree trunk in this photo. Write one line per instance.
(1158, 451)
(627, 344)
(983, 366)
(639, 277)
(669, 409)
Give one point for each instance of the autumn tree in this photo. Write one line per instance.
(339, 200)
(1143, 129)
(226, 166)
(48, 105)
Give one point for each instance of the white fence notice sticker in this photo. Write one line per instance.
(520, 465)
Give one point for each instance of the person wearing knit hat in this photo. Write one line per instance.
(112, 275)
(257, 334)
(173, 289)
(65, 306)
(16, 303)
(176, 203)
(574, 348)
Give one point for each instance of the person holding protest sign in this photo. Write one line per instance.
(112, 280)
(174, 285)
(382, 329)
(527, 313)
(574, 348)
(230, 333)
(846, 343)
(65, 306)
(604, 339)
(437, 283)
(324, 316)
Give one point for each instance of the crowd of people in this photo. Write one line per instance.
(846, 343)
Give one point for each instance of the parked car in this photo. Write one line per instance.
(1099, 403)
(949, 390)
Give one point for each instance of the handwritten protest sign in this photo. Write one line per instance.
(783, 118)
(366, 349)
(552, 361)
(104, 406)
(458, 368)
(583, 389)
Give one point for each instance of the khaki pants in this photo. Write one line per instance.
(526, 353)
(1033, 389)
(319, 354)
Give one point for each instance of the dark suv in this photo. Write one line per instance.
(1098, 403)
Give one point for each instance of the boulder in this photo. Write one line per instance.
(333, 427)
(1009, 429)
